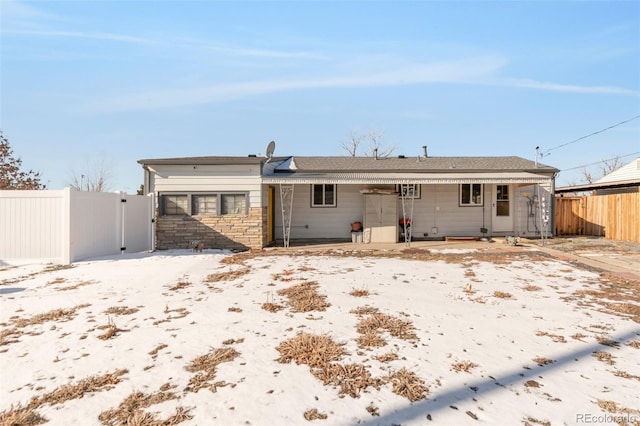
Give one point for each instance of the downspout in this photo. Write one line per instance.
(552, 206)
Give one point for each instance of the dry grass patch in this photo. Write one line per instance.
(55, 315)
(234, 309)
(304, 297)
(626, 375)
(406, 383)
(463, 366)
(378, 322)
(362, 292)
(120, 310)
(9, 335)
(227, 276)
(502, 295)
(75, 286)
(531, 421)
(634, 344)
(21, 416)
(154, 352)
(365, 310)
(605, 341)
(27, 415)
(205, 366)
(272, 307)
(542, 361)
(531, 287)
(388, 357)
(316, 351)
(605, 357)
(111, 330)
(131, 411)
(180, 285)
(555, 337)
(371, 339)
(314, 414)
(351, 378)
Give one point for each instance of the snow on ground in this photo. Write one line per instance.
(511, 338)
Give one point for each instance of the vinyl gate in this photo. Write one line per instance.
(68, 225)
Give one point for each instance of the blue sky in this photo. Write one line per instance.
(122, 81)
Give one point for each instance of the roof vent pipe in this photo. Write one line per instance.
(424, 151)
(375, 153)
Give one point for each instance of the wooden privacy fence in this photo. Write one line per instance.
(614, 216)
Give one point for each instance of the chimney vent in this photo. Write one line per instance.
(424, 151)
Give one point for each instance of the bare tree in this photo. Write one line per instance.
(352, 144)
(611, 165)
(374, 140)
(11, 174)
(95, 178)
(587, 176)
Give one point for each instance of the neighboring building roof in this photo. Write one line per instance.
(625, 177)
(627, 172)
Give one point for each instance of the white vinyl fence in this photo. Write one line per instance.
(68, 225)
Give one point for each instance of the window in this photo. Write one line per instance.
(323, 195)
(502, 200)
(174, 204)
(471, 194)
(233, 204)
(205, 204)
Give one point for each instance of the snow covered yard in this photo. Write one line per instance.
(410, 337)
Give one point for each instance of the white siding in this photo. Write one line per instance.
(321, 222)
(208, 178)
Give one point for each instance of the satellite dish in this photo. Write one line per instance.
(270, 148)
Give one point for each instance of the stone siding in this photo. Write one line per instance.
(217, 232)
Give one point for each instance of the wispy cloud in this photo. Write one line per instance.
(478, 71)
(567, 88)
(464, 71)
(177, 43)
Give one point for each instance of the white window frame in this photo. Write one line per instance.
(471, 202)
(324, 205)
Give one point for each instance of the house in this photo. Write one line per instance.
(626, 179)
(609, 207)
(250, 202)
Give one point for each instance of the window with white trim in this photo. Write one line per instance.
(471, 194)
(323, 195)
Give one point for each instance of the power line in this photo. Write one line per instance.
(601, 161)
(592, 134)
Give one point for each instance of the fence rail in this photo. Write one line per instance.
(614, 216)
(67, 225)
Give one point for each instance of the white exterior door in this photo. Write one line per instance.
(502, 208)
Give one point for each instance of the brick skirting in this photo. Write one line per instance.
(217, 232)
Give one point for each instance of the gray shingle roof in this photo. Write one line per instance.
(415, 164)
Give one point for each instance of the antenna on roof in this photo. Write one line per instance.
(270, 148)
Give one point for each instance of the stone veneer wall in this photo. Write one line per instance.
(217, 232)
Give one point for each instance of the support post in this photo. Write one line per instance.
(286, 205)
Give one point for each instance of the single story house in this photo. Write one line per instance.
(250, 202)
